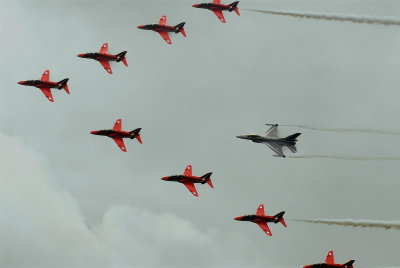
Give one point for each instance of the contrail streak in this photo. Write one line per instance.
(361, 130)
(334, 17)
(357, 223)
(337, 157)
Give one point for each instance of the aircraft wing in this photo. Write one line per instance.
(165, 36)
(276, 148)
(217, 1)
(264, 226)
(260, 210)
(118, 125)
(163, 20)
(46, 91)
(329, 258)
(46, 76)
(106, 66)
(219, 15)
(104, 48)
(188, 171)
(120, 143)
(191, 188)
(272, 132)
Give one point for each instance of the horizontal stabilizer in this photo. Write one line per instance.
(292, 148)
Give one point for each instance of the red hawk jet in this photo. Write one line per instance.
(217, 8)
(117, 134)
(330, 263)
(189, 180)
(45, 84)
(104, 58)
(162, 28)
(261, 219)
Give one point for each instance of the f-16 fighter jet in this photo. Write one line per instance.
(189, 180)
(162, 28)
(104, 58)
(117, 134)
(261, 219)
(330, 263)
(44, 84)
(217, 8)
(272, 140)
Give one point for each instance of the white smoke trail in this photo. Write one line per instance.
(337, 157)
(361, 130)
(357, 223)
(334, 17)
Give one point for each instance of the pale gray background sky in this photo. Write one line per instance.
(71, 199)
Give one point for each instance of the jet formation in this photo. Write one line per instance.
(217, 8)
(44, 84)
(261, 219)
(163, 29)
(117, 134)
(330, 263)
(272, 140)
(189, 180)
(104, 57)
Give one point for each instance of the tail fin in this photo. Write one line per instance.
(233, 6)
(121, 57)
(349, 264)
(279, 218)
(136, 134)
(179, 28)
(63, 84)
(293, 137)
(207, 178)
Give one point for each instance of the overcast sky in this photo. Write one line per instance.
(71, 199)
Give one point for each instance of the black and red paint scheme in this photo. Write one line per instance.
(104, 57)
(261, 219)
(117, 134)
(330, 263)
(163, 29)
(44, 84)
(217, 8)
(189, 180)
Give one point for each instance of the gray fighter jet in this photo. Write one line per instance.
(272, 140)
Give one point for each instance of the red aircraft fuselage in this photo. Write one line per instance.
(189, 180)
(217, 8)
(39, 83)
(104, 57)
(330, 263)
(163, 29)
(262, 220)
(117, 134)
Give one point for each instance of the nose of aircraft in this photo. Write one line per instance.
(237, 218)
(93, 132)
(140, 26)
(164, 178)
(21, 82)
(195, 5)
(81, 55)
(242, 137)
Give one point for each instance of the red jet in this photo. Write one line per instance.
(189, 180)
(162, 28)
(45, 84)
(117, 134)
(261, 219)
(330, 263)
(217, 8)
(104, 58)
